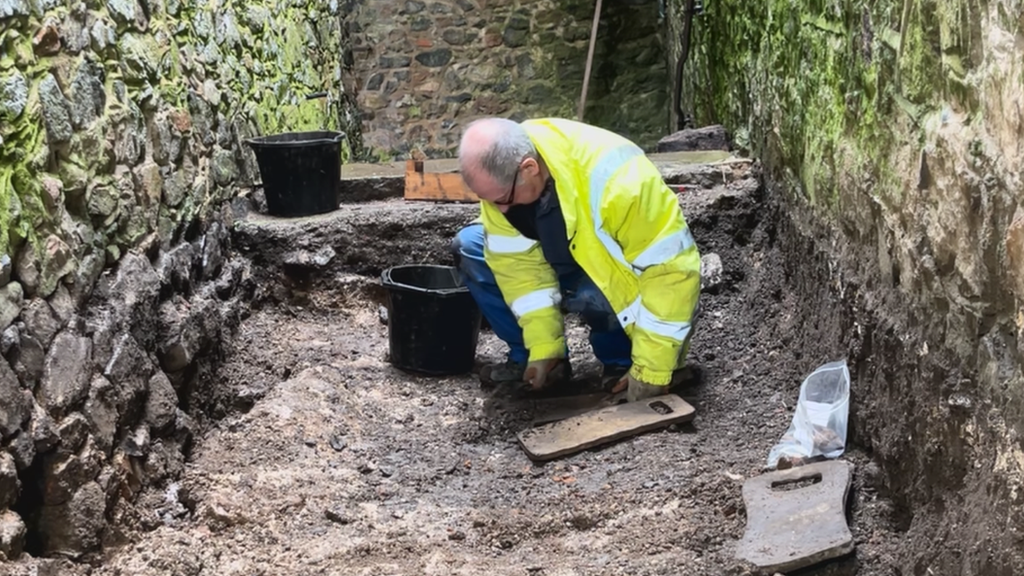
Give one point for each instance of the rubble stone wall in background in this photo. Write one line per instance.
(423, 69)
(121, 130)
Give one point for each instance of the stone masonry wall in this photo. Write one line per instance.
(121, 130)
(894, 131)
(422, 69)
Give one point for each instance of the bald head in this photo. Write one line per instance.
(490, 152)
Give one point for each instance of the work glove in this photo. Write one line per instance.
(541, 373)
(637, 389)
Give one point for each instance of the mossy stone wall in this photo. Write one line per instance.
(122, 125)
(893, 129)
(121, 118)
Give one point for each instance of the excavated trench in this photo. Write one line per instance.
(319, 457)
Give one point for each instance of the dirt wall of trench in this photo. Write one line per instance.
(891, 134)
(945, 441)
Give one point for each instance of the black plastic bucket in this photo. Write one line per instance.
(301, 171)
(433, 321)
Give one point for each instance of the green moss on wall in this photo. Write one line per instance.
(897, 123)
(24, 143)
(178, 82)
(819, 87)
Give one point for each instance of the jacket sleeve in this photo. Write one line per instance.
(527, 282)
(643, 216)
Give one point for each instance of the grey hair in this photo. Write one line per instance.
(509, 145)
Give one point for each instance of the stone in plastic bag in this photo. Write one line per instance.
(819, 423)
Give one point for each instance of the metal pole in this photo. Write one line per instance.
(590, 59)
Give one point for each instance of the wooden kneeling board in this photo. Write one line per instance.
(602, 426)
(792, 526)
(435, 186)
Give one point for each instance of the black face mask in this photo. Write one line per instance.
(523, 217)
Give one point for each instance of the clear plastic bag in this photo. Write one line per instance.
(819, 422)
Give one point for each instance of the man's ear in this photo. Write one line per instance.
(531, 167)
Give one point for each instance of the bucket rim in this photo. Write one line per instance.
(387, 281)
(314, 137)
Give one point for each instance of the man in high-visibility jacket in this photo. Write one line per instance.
(574, 218)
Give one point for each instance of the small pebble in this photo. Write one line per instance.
(960, 401)
(338, 516)
(310, 442)
(338, 443)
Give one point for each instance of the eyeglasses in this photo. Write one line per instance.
(510, 197)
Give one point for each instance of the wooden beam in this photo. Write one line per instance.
(435, 186)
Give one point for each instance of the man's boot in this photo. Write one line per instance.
(508, 372)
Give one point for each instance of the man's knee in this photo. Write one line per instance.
(455, 246)
(469, 241)
(588, 299)
(468, 250)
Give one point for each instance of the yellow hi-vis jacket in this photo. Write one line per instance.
(625, 229)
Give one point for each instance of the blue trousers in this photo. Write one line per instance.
(580, 295)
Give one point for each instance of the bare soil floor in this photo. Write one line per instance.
(345, 465)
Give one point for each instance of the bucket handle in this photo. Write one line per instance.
(256, 143)
(386, 280)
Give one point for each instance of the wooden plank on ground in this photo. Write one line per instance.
(602, 426)
(796, 518)
(421, 185)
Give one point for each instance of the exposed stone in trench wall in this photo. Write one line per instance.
(121, 130)
(895, 127)
(423, 69)
(99, 393)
